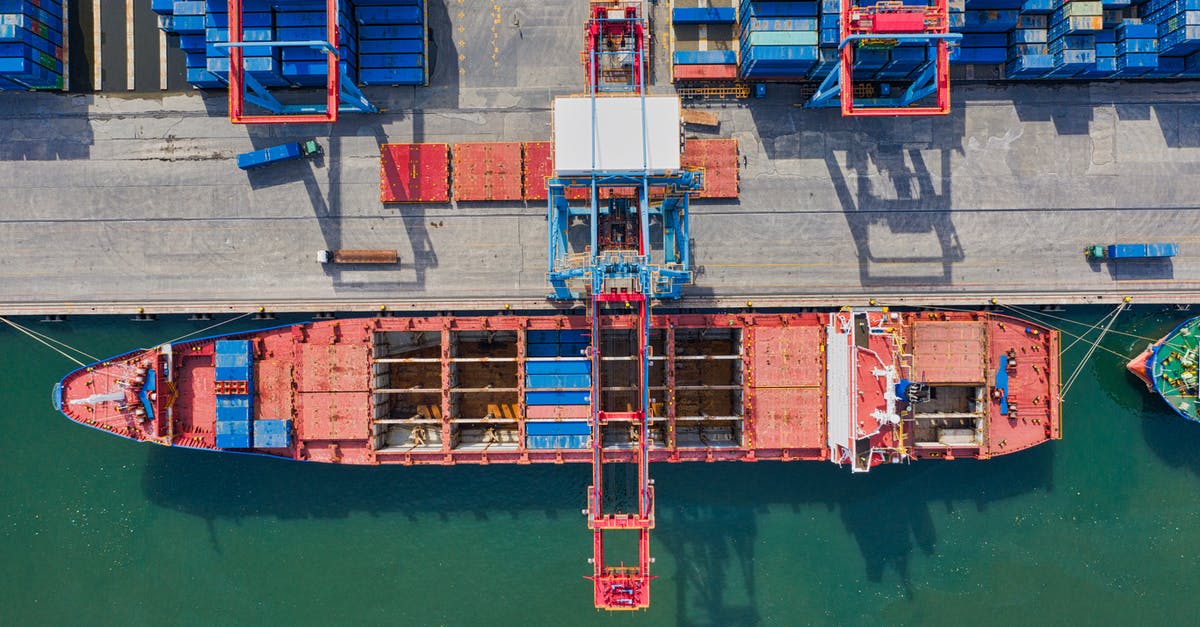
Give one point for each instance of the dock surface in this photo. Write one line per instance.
(118, 201)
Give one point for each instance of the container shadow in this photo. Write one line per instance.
(1141, 269)
(898, 210)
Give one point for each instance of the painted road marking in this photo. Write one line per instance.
(97, 41)
(129, 82)
(162, 59)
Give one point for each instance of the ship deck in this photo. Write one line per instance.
(1173, 372)
(724, 387)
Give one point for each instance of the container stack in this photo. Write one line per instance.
(710, 27)
(829, 35)
(1084, 40)
(1028, 52)
(380, 42)
(1106, 56)
(985, 32)
(1136, 48)
(31, 44)
(558, 380)
(1178, 23)
(778, 39)
(1073, 28)
(391, 41)
(234, 391)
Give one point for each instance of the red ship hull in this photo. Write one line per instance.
(724, 387)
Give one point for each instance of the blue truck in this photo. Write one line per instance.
(1131, 251)
(275, 154)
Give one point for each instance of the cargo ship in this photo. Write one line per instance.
(856, 387)
(1168, 367)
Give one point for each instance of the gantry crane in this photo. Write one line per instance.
(617, 274)
(889, 24)
(340, 95)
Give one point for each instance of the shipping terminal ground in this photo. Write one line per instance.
(547, 272)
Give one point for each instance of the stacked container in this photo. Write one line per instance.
(386, 37)
(985, 39)
(558, 380)
(829, 34)
(686, 64)
(1136, 48)
(778, 39)
(391, 42)
(234, 387)
(1106, 56)
(1178, 24)
(1028, 52)
(31, 44)
(1073, 28)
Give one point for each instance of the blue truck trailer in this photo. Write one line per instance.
(275, 154)
(1131, 251)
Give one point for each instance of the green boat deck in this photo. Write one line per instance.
(1174, 368)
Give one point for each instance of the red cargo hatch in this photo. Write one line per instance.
(414, 173)
(335, 416)
(718, 158)
(949, 352)
(334, 367)
(487, 171)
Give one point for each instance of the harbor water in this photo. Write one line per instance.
(1102, 527)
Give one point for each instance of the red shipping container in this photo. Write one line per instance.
(488, 171)
(414, 173)
(725, 72)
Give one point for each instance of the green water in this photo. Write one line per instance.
(1101, 527)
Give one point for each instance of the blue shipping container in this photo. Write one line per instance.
(234, 408)
(558, 381)
(573, 427)
(556, 441)
(557, 398)
(703, 15)
(563, 366)
(233, 440)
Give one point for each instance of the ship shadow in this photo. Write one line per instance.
(1171, 437)
(708, 517)
(708, 514)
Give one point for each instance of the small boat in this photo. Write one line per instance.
(1168, 367)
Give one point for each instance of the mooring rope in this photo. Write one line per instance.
(47, 344)
(208, 328)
